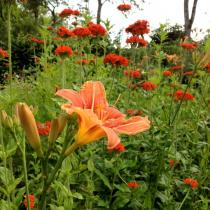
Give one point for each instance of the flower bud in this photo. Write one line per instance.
(28, 123)
(5, 119)
(57, 126)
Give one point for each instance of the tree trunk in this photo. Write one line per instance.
(99, 11)
(188, 21)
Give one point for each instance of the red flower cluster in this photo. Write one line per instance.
(133, 184)
(136, 40)
(175, 68)
(32, 201)
(140, 27)
(96, 29)
(83, 62)
(64, 51)
(132, 73)
(43, 128)
(68, 12)
(64, 32)
(124, 7)
(188, 73)
(180, 95)
(82, 32)
(208, 67)
(171, 163)
(188, 46)
(148, 86)
(167, 73)
(116, 60)
(192, 182)
(3, 53)
(38, 41)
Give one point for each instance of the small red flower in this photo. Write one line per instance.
(133, 184)
(136, 40)
(38, 41)
(68, 12)
(134, 112)
(119, 148)
(140, 27)
(50, 28)
(188, 46)
(96, 29)
(148, 86)
(64, 32)
(3, 53)
(180, 95)
(124, 7)
(132, 73)
(43, 128)
(192, 182)
(171, 163)
(64, 51)
(208, 67)
(83, 62)
(82, 32)
(188, 73)
(32, 201)
(116, 60)
(174, 68)
(167, 73)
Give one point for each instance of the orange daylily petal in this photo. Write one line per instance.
(113, 138)
(133, 125)
(111, 113)
(94, 95)
(71, 96)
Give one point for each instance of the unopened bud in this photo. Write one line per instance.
(5, 119)
(28, 123)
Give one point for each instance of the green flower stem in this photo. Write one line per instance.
(63, 82)
(184, 200)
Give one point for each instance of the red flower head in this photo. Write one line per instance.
(119, 148)
(3, 53)
(167, 73)
(124, 7)
(38, 41)
(188, 73)
(148, 86)
(96, 29)
(132, 73)
(192, 182)
(83, 62)
(82, 32)
(208, 67)
(171, 163)
(116, 60)
(64, 32)
(43, 128)
(50, 28)
(188, 46)
(140, 27)
(180, 95)
(136, 40)
(64, 51)
(68, 12)
(133, 184)
(32, 201)
(175, 68)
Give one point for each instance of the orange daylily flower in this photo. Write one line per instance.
(96, 118)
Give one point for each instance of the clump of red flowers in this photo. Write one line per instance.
(132, 73)
(38, 41)
(116, 60)
(140, 27)
(188, 46)
(64, 51)
(136, 40)
(133, 184)
(181, 95)
(32, 201)
(82, 32)
(208, 67)
(3, 53)
(175, 68)
(167, 73)
(124, 7)
(96, 29)
(43, 128)
(192, 182)
(68, 12)
(64, 32)
(148, 86)
(188, 73)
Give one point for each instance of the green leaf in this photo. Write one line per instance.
(103, 178)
